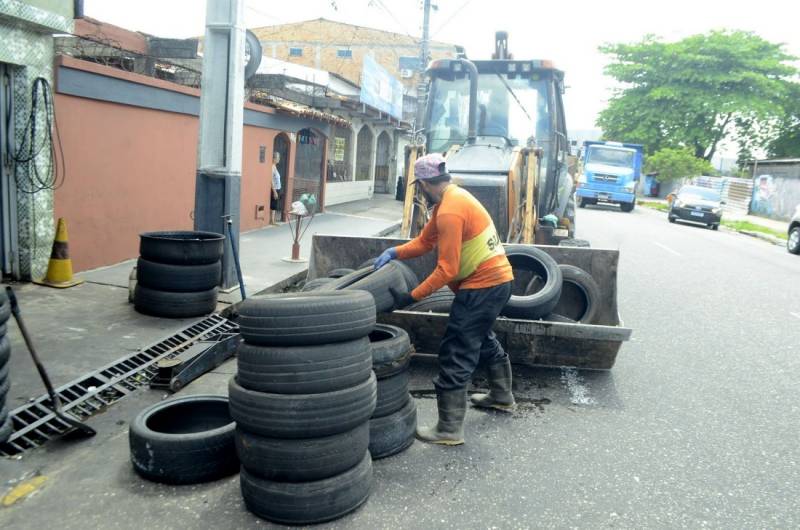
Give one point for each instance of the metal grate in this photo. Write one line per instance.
(34, 423)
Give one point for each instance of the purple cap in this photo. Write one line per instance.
(429, 166)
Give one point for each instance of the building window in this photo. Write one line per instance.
(295, 52)
(338, 148)
(344, 54)
(409, 63)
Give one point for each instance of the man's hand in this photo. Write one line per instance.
(388, 255)
(402, 299)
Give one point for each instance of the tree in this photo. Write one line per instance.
(671, 164)
(692, 93)
(786, 140)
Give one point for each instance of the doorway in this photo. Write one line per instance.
(364, 154)
(281, 145)
(382, 161)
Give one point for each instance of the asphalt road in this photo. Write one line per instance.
(696, 426)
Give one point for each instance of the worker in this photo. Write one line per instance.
(274, 199)
(473, 263)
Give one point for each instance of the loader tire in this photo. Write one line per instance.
(5, 350)
(6, 426)
(5, 310)
(304, 503)
(178, 278)
(391, 350)
(534, 305)
(302, 460)
(174, 305)
(313, 285)
(439, 302)
(392, 394)
(375, 282)
(304, 369)
(5, 386)
(580, 295)
(338, 273)
(184, 441)
(318, 317)
(394, 433)
(302, 415)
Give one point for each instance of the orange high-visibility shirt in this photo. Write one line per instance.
(460, 224)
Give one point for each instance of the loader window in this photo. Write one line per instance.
(515, 109)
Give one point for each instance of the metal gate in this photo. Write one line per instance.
(735, 192)
(308, 171)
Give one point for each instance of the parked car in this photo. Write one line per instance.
(697, 205)
(793, 244)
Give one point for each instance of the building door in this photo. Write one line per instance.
(281, 145)
(308, 170)
(382, 161)
(9, 258)
(363, 154)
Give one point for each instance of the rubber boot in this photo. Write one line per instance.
(449, 430)
(499, 396)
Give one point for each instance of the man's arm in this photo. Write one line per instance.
(422, 244)
(450, 231)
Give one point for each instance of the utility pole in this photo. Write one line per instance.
(219, 153)
(422, 88)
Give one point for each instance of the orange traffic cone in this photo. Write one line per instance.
(59, 269)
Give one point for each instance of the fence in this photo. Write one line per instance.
(735, 192)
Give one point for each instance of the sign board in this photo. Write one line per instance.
(380, 90)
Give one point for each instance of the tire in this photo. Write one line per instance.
(174, 305)
(671, 219)
(393, 433)
(178, 278)
(553, 317)
(308, 502)
(306, 318)
(793, 243)
(184, 441)
(411, 278)
(181, 247)
(302, 460)
(580, 295)
(375, 282)
(5, 386)
(304, 369)
(391, 350)
(715, 227)
(5, 310)
(627, 206)
(535, 305)
(392, 394)
(338, 273)
(6, 427)
(5, 350)
(315, 284)
(438, 302)
(581, 203)
(369, 263)
(302, 415)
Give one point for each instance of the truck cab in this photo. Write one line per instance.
(611, 172)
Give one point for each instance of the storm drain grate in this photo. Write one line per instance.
(34, 423)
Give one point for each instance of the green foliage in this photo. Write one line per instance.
(786, 141)
(660, 206)
(693, 93)
(672, 164)
(747, 226)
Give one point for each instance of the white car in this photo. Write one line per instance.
(793, 244)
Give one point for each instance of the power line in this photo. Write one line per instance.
(388, 11)
(451, 17)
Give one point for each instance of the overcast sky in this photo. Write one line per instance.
(566, 32)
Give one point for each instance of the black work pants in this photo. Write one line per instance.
(469, 338)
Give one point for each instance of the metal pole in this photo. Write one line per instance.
(423, 63)
(219, 153)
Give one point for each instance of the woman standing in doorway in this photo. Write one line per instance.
(274, 200)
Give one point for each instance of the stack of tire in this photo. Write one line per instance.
(178, 273)
(395, 274)
(394, 422)
(302, 399)
(6, 427)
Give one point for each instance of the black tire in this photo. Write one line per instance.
(541, 303)
(181, 247)
(302, 415)
(580, 295)
(178, 278)
(715, 227)
(391, 350)
(411, 278)
(306, 318)
(302, 460)
(375, 282)
(5, 310)
(304, 369)
(184, 441)
(581, 203)
(438, 302)
(793, 243)
(3, 329)
(6, 427)
(392, 394)
(393, 433)
(174, 305)
(4, 370)
(5, 386)
(5, 350)
(308, 502)
(369, 263)
(338, 273)
(313, 285)
(627, 206)
(670, 219)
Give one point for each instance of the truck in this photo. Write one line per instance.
(611, 173)
(501, 126)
